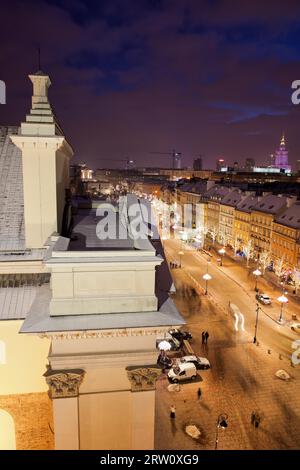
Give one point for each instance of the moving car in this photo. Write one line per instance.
(180, 335)
(199, 362)
(263, 299)
(295, 327)
(182, 372)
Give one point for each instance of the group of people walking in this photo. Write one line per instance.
(174, 265)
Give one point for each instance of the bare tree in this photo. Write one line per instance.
(248, 250)
(264, 260)
(213, 233)
(278, 267)
(236, 244)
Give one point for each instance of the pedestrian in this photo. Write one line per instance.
(253, 418)
(203, 337)
(257, 420)
(172, 412)
(199, 393)
(206, 337)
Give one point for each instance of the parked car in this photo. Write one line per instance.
(295, 327)
(199, 362)
(263, 299)
(164, 361)
(180, 335)
(182, 372)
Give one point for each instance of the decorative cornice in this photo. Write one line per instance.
(64, 383)
(116, 333)
(143, 378)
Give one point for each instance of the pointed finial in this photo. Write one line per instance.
(39, 58)
(282, 142)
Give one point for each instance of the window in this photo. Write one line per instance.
(2, 352)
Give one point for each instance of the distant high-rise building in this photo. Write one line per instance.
(197, 165)
(236, 166)
(177, 160)
(220, 163)
(86, 173)
(298, 166)
(249, 164)
(282, 156)
(272, 160)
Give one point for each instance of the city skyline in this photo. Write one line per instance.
(106, 284)
(129, 77)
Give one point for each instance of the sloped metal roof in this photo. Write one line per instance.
(17, 294)
(12, 235)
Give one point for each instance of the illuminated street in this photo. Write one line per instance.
(231, 283)
(242, 378)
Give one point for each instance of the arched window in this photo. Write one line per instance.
(2, 352)
(7, 431)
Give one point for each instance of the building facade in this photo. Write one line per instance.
(95, 313)
(262, 217)
(242, 224)
(227, 216)
(286, 236)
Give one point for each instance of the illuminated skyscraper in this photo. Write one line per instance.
(282, 156)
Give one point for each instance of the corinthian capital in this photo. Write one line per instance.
(64, 383)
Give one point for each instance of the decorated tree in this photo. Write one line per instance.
(248, 250)
(278, 267)
(264, 260)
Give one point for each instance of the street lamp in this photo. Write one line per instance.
(256, 322)
(283, 300)
(256, 273)
(222, 252)
(207, 277)
(221, 423)
(181, 253)
(164, 345)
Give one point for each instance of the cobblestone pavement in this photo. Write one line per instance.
(242, 380)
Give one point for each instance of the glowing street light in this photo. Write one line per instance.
(222, 252)
(283, 300)
(256, 273)
(207, 277)
(164, 345)
(256, 322)
(181, 253)
(221, 423)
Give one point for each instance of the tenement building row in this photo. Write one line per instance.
(259, 227)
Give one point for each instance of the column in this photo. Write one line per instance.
(142, 380)
(64, 390)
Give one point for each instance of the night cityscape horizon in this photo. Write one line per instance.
(132, 78)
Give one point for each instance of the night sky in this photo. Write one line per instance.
(131, 77)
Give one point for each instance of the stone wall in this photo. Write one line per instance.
(33, 419)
